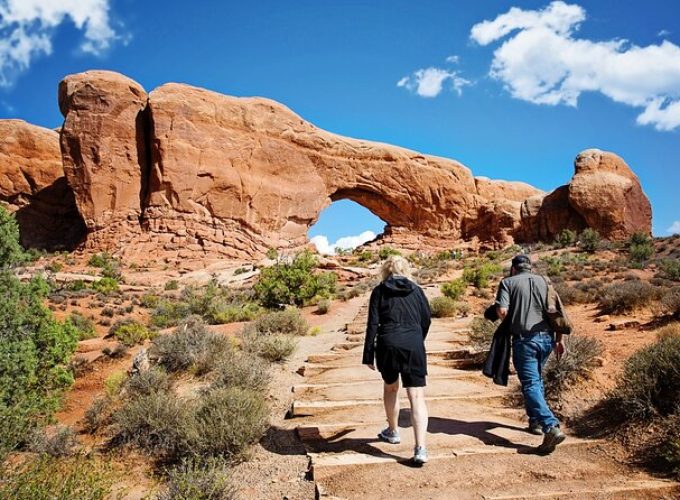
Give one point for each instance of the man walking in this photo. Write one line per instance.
(521, 297)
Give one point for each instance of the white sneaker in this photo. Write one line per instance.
(389, 435)
(419, 455)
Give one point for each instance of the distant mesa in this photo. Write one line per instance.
(184, 172)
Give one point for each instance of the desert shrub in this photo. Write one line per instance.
(114, 383)
(387, 251)
(229, 420)
(293, 282)
(105, 285)
(650, 383)
(627, 296)
(49, 478)
(221, 313)
(83, 326)
(590, 240)
(159, 423)
(198, 480)
(323, 306)
(54, 266)
(98, 414)
(11, 252)
(566, 238)
(365, 256)
(670, 269)
(149, 300)
(168, 313)
(270, 346)
(130, 332)
(147, 382)
(670, 301)
(577, 364)
(191, 346)
(109, 265)
(480, 276)
(272, 254)
(289, 321)
(35, 351)
(171, 285)
(464, 309)
(443, 307)
(454, 289)
(640, 253)
(59, 441)
(242, 369)
(481, 332)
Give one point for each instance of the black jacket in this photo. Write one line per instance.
(398, 322)
(497, 364)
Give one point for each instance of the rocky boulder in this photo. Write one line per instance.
(34, 188)
(608, 195)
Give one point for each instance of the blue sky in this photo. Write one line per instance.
(566, 76)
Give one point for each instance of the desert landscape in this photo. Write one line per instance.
(168, 331)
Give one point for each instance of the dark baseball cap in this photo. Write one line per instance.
(521, 261)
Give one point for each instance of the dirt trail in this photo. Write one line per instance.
(478, 446)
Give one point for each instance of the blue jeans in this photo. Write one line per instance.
(529, 354)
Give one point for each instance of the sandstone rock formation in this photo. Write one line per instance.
(185, 172)
(33, 186)
(104, 145)
(603, 179)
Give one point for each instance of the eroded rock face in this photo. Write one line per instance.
(188, 172)
(34, 188)
(104, 145)
(608, 195)
(249, 173)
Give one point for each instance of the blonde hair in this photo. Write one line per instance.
(395, 265)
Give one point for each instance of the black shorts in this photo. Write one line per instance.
(407, 379)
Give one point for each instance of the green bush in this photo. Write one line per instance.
(293, 282)
(454, 289)
(566, 238)
(650, 384)
(443, 307)
(147, 382)
(481, 275)
(48, 478)
(109, 265)
(172, 285)
(640, 252)
(229, 420)
(481, 332)
(270, 346)
(130, 332)
(289, 321)
(387, 251)
(244, 370)
(83, 326)
(323, 306)
(580, 359)
(670, 269)
(11, 252)
(670, 302)
(114, 383)
(221, 313)
(590, 240)
(272, 254)
(627, 296)
(35, 350)
(639, 238)
(105, 285)
(198, 480)
(191, 346)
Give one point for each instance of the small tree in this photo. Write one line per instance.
(590, 240)
(454, 289)
(640, 247)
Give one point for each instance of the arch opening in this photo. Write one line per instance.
(344, 225)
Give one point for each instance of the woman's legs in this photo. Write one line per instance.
(391, 401)
(419, 416)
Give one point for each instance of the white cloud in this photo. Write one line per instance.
(429, 82)
(27, 28)
(323, 246)
(663, 33)
(675, 228)
(544, 63)
(453, 59)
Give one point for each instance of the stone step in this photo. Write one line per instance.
(484, 472)
(614, 488)
(307, 408)
(440, 386)
(321, 373)
(463, 357)
(441, 336)
(458, 435)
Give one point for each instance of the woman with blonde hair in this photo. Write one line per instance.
(398, 322)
